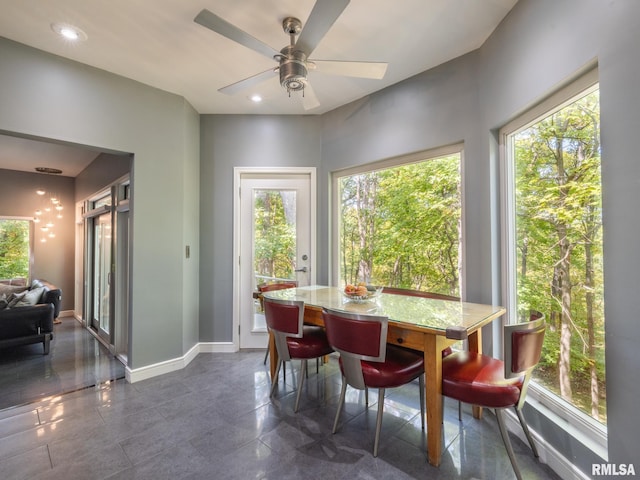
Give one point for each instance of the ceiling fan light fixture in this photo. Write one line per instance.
(293, 69)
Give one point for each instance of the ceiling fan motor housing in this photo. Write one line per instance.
(293, 69)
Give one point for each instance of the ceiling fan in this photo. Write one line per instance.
(293, 60)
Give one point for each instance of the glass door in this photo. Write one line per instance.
(275, 244)
(102, 247)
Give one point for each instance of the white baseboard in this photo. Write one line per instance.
(218, 347)
(150, 371)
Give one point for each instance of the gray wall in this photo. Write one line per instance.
(230, 141)
(50, 97)
(103, 171)
(53, 260)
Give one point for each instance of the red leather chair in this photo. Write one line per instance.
(367, 361)
(488, 382)
(268, 287)
(293, 339)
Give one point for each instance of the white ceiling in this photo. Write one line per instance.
(156, 42)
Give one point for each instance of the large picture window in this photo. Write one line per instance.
(15, 248)
(399, 223)
(555, 239)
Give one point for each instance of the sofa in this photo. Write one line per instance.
(28, 312)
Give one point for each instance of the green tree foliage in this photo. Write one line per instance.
(559, 248)
(14, 248)
(274, 233)
(400, 226)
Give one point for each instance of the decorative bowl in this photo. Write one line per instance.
(372, 294)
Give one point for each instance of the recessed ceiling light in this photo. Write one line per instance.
(256, 98)
(69, 32)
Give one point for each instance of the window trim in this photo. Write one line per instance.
(32, 243)
(407, 159)
(591, 431)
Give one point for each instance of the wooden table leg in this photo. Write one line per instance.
(433, 346)
(475, 345)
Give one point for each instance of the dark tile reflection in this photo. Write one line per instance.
(76, 360)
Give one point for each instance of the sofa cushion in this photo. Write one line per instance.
(3, 301)
(14, 298)
(29, 297)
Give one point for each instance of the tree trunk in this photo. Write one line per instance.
(564, 274)
(591, 331)
(564, 269)
(365, 198)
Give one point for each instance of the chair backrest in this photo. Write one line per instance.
(523, 345)
(268, 287)
(285, 318)
(419, 293)
(356, 337)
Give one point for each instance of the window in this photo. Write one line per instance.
(15, 248)
(554, 238)
(399, 223)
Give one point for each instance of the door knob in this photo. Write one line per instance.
(303, 270)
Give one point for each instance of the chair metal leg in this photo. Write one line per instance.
(343, 393)
(303, 367)
(527, 433)
(366, 396)
(266, 355)
(378, 420)
(507, 443)
(274, 380)
(421, 383)
(459, 411)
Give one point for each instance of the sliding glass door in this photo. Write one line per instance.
(101, 262)
(106, 266)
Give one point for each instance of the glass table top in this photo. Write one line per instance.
(453, 317)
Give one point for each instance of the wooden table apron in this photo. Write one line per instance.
(429, 341)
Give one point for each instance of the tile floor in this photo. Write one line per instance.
(214, 420)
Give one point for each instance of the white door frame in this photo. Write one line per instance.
(237, 174)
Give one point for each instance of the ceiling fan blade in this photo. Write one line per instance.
(224, 28)
(247, 82)
(323, 15)
(374, 70)
(309, 100)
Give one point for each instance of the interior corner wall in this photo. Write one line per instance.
(191, 231)
(46, 96)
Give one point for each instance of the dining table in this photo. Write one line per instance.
(428, 325)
